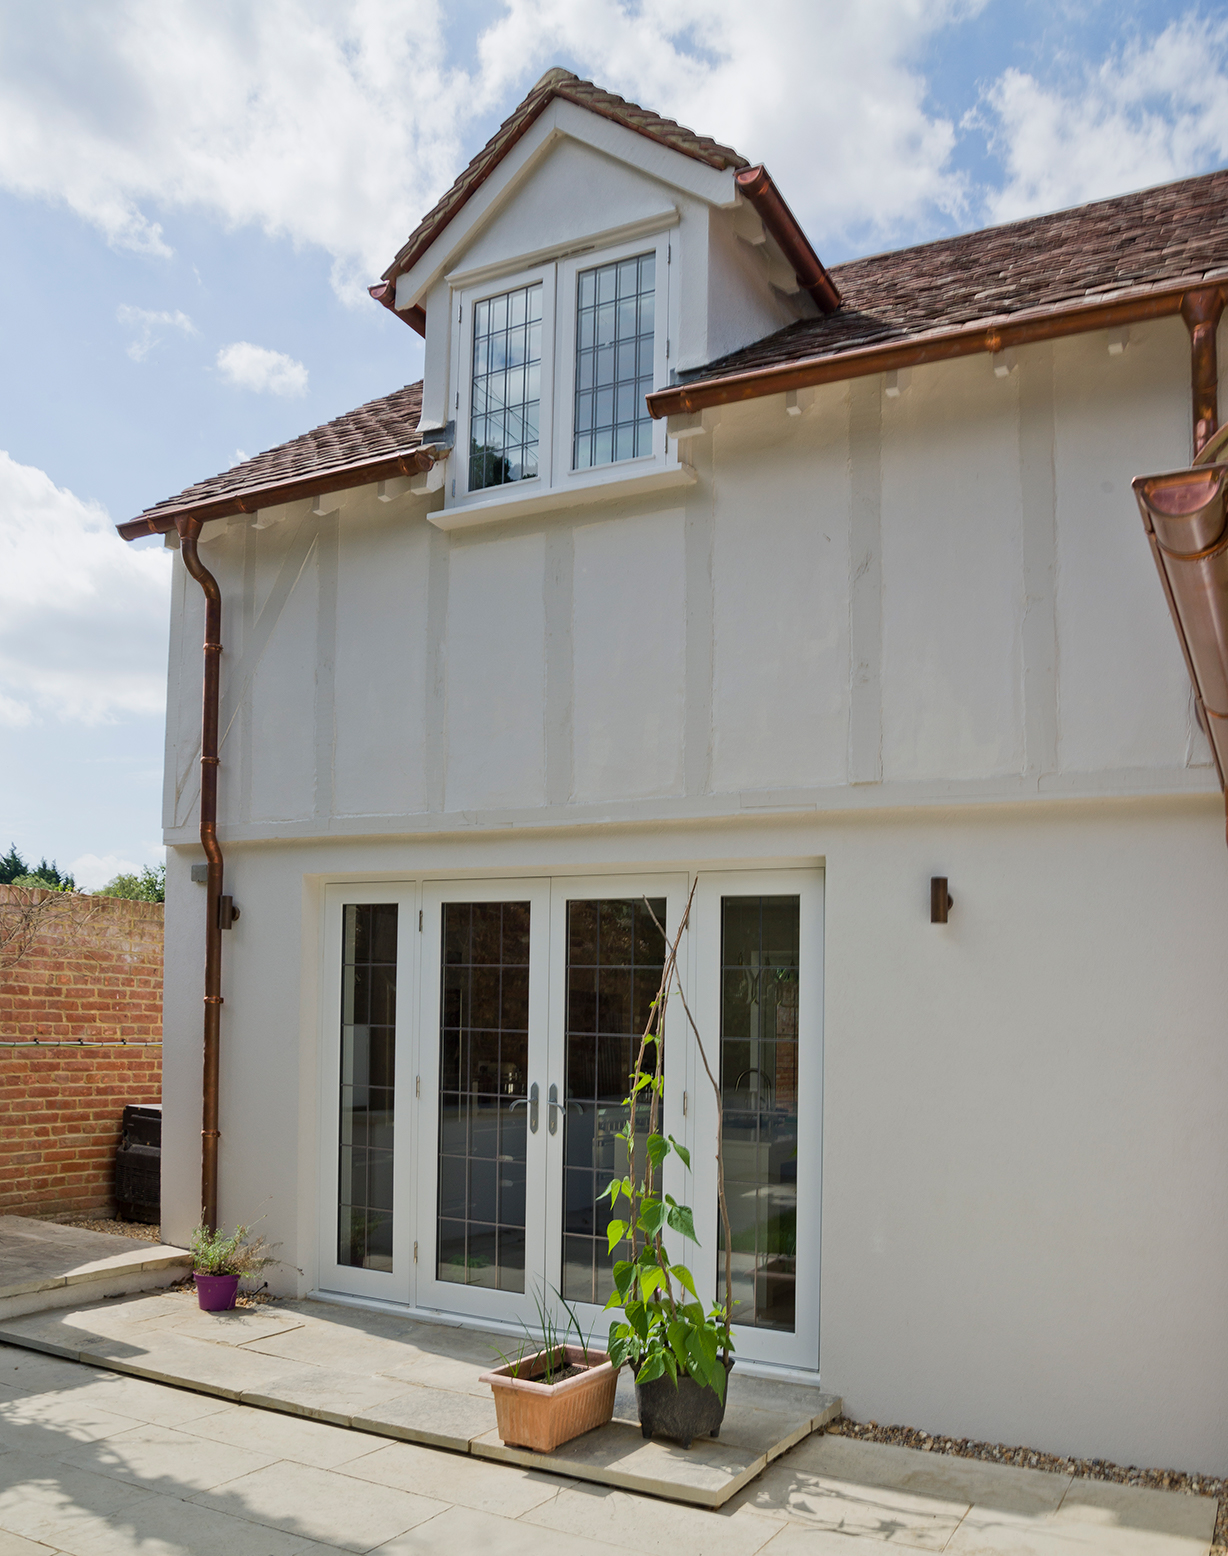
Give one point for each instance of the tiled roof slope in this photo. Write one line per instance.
(374, 431)
(1131, 244)
(555, 83)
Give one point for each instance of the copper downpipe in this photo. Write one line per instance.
(757, 185)
(1201, 310)
(189, 532)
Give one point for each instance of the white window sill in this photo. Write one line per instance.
(510, 503)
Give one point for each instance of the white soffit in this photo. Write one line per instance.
(647, 157)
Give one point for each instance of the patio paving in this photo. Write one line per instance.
(44, 1265)
(415, 1381)
(94, 1462)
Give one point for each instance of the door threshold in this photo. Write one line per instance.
(428, 1315)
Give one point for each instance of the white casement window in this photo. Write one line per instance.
(552, 367)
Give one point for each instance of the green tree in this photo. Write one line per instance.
(148, 886)
(14, 871)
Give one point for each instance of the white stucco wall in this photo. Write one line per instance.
(896, 637)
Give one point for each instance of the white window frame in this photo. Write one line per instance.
(565, 372)
(465, 300)
(558, 280)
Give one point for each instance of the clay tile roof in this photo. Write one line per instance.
(555, 83)
(374, 434)
(1124, 247)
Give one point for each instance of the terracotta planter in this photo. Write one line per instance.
(216, 1293)
(532, 1414)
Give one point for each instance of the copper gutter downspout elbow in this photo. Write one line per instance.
(756, 184)
(1201, 311)
(189, 532)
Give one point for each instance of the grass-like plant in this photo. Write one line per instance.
(234, 1253)
(548, 1341)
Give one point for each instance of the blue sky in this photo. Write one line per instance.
(193, 198)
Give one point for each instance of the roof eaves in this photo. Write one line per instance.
(990, 335)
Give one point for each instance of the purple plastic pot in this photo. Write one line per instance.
(216, 1293)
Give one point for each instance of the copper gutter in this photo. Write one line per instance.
(274, 493)
(1019, 329)
(757, 185)
(189, 532)
(385, 292)
(1185, 514)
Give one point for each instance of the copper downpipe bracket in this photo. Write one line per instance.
(189, 533)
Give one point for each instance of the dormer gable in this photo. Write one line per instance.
(588, 254)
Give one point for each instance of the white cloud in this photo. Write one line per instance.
(339, 125)
(90, 871)
(267, 372)
(83, 616)
(1150, 112)
(151, 324)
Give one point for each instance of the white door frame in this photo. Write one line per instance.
(450, 1296)
(673, 885)
(396, 1285)
(801, 1347)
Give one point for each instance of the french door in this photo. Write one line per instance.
(478, 1042)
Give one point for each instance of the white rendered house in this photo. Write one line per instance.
(691, 565)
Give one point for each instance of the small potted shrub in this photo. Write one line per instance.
(550, 1391)
(679, 1353)
(219, 1262)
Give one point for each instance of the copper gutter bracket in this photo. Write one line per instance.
(1201, 311)
(189, 532)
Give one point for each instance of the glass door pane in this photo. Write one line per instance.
(366, 1109)
(483, 1098)
(481, 1158)
(758, 1003)
(615, 956)
(759, 994)
(368, 1085)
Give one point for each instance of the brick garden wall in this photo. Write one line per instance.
(74, 970)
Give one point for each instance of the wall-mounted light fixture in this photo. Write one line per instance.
(941, 900)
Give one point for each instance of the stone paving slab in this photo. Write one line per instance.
(40, 1261)
(417, 1382)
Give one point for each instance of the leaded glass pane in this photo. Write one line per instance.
(615, 957)
(367, 1085)
(759, 1050)
(483, 1089)
(505, 401)
(614, 325)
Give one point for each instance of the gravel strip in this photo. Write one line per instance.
(141, 1229)
(1033, 1459)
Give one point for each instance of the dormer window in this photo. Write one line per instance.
(614, 361)
(505, 422)
(553, 367)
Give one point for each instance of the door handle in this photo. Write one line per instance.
(554, 1108)
(532, 1099)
